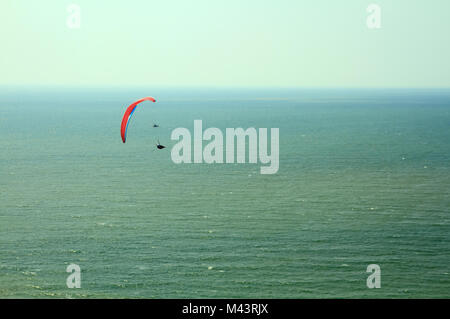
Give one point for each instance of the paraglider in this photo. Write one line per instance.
(127, 116)
(159, 146)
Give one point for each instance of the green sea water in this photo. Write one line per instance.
(364, 179)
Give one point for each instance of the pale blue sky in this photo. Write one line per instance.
(226, 43)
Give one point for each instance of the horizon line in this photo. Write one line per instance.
(128, 86)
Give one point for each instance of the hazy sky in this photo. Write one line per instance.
(313, 43)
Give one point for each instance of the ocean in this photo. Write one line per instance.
(363, 179)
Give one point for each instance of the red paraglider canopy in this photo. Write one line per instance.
(127, 116)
